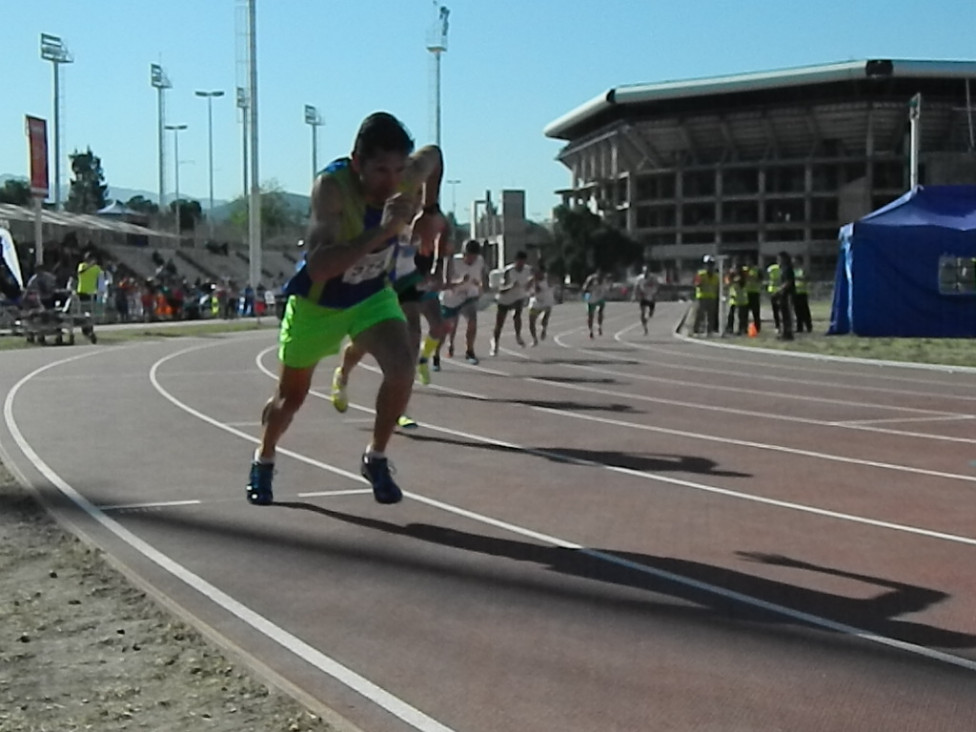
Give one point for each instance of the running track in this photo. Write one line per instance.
(630, 533)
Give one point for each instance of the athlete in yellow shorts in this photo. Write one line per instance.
(343, 288)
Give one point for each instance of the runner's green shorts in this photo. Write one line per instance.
(310, 332)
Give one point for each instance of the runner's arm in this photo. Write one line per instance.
(424, 172)
(329, 257)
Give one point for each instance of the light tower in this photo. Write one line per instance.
(54, 50)
(243, 106)
(209, 96)
(254, 199)
(177, 129)
(437, 44)
(159, 80)
(313, 118)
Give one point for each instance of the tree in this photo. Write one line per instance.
(17, 192)
(278, 215)
(583, 241)
(88, 192)
(143, 205)
(191, 213)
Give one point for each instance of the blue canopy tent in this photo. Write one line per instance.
(909, 268)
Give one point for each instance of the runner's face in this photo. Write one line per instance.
(381, 174)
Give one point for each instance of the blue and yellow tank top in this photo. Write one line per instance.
(371, 273)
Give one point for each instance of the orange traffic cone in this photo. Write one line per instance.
(753, 331)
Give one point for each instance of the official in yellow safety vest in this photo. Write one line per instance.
(706, 297)
(738, 300)
(773, 277)
(88, 272)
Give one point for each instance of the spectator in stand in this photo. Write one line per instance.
(230, 300)
(177, 299)
(121, 296)
(247, 309)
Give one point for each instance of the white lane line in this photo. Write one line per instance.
(763, 446)
(142, 506)
(559, 340)
(654, 477)
(808, 618)
(944, 418)
(350, 492)
(758, 392)
(298, 647)
(854, 424)
(732, 441)
(881, 363)
(739, 364)
(703, 385)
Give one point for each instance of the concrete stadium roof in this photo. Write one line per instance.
(579, 120)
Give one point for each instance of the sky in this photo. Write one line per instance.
(512, 67)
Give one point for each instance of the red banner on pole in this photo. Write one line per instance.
(37, 136)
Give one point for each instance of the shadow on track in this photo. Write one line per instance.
(650, 462)
(877, 614)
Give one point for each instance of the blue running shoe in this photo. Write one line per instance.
(377, 471)
(259, 485)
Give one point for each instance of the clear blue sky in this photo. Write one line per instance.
(512, 67)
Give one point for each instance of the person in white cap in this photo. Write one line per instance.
(706, 297)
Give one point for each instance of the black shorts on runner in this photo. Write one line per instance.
(647, 304)
(515, 307)
(410, 294)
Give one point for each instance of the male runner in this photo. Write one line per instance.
(645, 292)
(417, 290)
(357, 212)
(511, 296)
(540, 304)
(595, 296)
(465, 283)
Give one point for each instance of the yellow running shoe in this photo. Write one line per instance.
(339, 399)
(423, 372)
(404, 422)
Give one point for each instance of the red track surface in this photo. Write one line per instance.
(627, 533)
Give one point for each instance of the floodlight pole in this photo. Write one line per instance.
(453, 183)
(254, 205)
(314, 119)
(210, 97)
(159, 80)
(243, 106)
(437, 45)
(54, 50)
(176, 155)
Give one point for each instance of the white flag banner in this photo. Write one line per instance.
(10, 256)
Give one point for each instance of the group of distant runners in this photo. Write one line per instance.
(376, 221)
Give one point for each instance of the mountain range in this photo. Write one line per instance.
(222, 208)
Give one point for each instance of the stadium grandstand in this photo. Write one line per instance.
(751, 164)
(140, 250)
